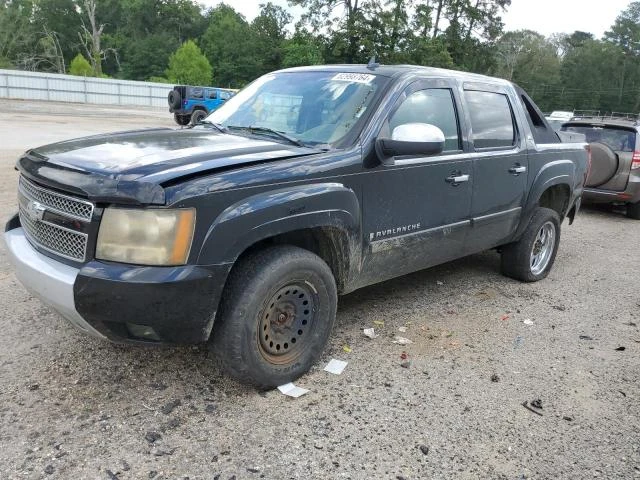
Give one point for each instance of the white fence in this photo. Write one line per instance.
(69, 88)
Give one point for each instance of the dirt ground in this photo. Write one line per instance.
(76, 407)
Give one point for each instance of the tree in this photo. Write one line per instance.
(81, 67)
(230, 45)
(347, 22)
(147, 57)
(91, 38)
(302, 49)
(269, 30)
(189, 66)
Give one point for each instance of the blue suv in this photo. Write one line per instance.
(191, 104)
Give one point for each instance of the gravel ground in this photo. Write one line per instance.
(75, 407)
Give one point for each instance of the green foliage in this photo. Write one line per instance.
(189, 66)
(81, 67)
(230, 45)
(149, 39)
(159, 80)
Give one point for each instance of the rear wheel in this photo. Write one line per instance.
(276, 315)
(197, 116)
(182, 120)
(530, 259)
(633, 210)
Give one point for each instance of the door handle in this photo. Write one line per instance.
(457, 179)
(517, 170)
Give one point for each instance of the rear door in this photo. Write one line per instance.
(500, 165)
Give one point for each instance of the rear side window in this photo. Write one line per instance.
(197, 92)
(618, 139)
(213, 95)
(491, 119)
(434, 106)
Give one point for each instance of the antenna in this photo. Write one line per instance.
(372, 65)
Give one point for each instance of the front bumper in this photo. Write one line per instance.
(123, 303)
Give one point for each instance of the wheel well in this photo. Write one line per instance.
(556, 198)
(331, 244)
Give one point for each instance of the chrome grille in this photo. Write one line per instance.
(56, 202)
(54, 238)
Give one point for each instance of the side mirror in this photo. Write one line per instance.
(417, 139)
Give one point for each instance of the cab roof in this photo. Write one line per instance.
(398, 70)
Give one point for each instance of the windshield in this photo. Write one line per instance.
(618, 139)
(311, 107)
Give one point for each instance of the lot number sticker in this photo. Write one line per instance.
(354, 77)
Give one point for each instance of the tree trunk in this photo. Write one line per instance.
(437, 22)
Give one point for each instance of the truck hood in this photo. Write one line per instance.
(132, 167)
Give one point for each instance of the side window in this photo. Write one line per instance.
(491, 119)
(434, 106)
(212, 95)
(197, 93)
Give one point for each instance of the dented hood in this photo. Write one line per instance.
(132, 167)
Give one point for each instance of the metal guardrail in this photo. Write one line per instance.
(69, 88)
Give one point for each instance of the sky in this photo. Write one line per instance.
(543, 16)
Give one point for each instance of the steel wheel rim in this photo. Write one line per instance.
(542, 248)
(287, 323)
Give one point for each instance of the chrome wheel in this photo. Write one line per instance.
(543, 247)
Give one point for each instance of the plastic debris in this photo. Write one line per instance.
(370, 332)
(335, 366)
(585, 337)
(402, 329)
(291, 390)
(527, 321)
(404, 355)
(405, 364)
(526, 405)
(621, 349)
(380, 323)
(346, 348)
(439, 283)
(505, 317)
(401, 340)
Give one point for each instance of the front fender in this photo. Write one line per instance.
(280, 211)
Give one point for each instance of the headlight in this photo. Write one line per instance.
(146, 237)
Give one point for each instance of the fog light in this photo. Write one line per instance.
(143, 332)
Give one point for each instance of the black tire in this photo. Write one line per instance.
(197, 116)
(633, 210)
(282, 291)
(182, 120)
(517, 259)
(174, 99)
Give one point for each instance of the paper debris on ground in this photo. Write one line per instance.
(402, 329)
(527, 321)
(335, 366)
(380, 323)
(401, 340)
(292, 391)
(370, 332)
(346, 348)
(439, 283)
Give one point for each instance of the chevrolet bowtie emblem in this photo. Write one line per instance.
(35, 210)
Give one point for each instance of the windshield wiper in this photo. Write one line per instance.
(268, 131)
(218, 127)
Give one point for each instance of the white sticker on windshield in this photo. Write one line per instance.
(354, 77)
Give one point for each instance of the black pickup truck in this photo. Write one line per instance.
(310, 183)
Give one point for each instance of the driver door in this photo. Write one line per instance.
(417, 208)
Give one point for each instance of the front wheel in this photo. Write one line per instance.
(530, 259)
(276, 316)
(197, 116)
